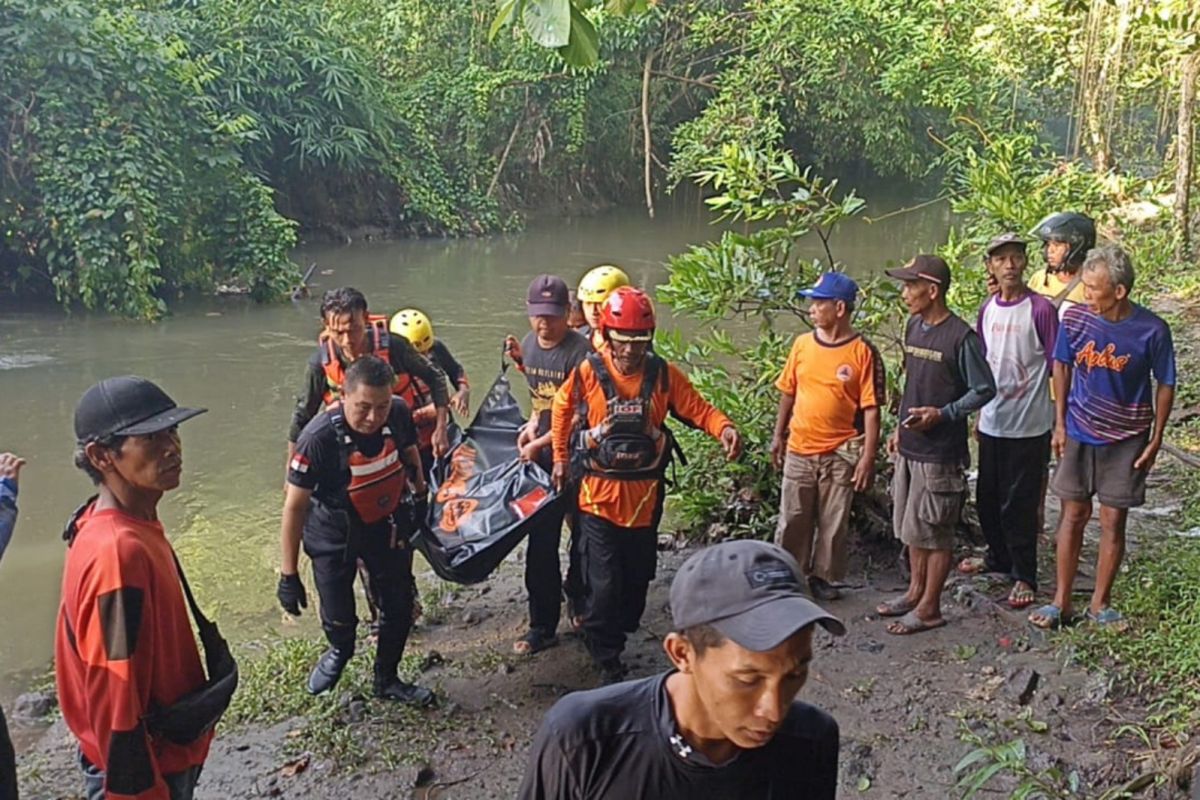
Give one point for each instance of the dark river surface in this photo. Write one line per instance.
(245, 363)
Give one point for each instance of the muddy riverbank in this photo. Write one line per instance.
(908, 707)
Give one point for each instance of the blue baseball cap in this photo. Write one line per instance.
(832, 286)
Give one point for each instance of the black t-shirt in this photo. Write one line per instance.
(546, 370)
(318, 464)
(621, 742)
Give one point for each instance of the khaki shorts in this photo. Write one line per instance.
(1105, 471)
(927, 501)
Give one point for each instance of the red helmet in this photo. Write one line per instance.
(629, 313)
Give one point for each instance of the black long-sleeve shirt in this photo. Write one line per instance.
(621, 742)
(404, 358)
(441, 356)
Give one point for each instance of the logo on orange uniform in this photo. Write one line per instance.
(844, 373)
(1104, 359)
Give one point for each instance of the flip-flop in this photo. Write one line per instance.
(972, 566)
(534, 642)
(910, 623)
(1108, 616)
(896, 607)
(1052, 616)
(1021, 598)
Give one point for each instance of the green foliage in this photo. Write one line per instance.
(989, 761)
(1160, 597)
(122, 185)
(869, 82)
(748, 282)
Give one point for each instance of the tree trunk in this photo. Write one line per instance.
(1184, 151)
(646, 142)
(1099, 100)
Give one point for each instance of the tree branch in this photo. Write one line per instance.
(647, 70)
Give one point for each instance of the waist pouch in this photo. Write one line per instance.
(197, 712)
(622, 452)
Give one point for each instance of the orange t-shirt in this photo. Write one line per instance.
(832, 384)
(123, 646)
(629, 504)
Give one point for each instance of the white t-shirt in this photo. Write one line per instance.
(1018, 341)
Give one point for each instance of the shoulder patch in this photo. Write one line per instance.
(120, 621)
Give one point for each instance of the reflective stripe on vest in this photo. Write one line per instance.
(377, 482)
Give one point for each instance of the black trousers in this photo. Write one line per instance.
(8, 763)
(543, 573)
(573, 585)
(618, 565)
(336, 546)
(1008, 492)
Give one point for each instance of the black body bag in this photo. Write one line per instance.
(484, 499)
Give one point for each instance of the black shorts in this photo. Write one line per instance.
(1105, 471)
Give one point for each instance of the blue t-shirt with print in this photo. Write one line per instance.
(1112, 396)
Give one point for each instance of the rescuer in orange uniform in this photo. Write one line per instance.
(607, 422)
(350, 333)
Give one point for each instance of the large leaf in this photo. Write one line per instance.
(549, 22)
(504, 16)
(583, 49)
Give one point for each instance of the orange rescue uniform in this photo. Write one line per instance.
(124, 645)
(628, 504)
(832, 384)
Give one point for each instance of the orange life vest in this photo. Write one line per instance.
(418, 395)
(335, 373)
(377, 482)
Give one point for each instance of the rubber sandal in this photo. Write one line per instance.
(1107, 617)
(910, 623)
(896, 607)
(1021, 598)
(534, 642)
(972, 566)
(1051, 617)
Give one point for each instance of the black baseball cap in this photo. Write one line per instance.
(127, 406)
(750, 591)
(924, 268)
(548, 296)
(1005, 238)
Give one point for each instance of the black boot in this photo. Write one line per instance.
(395, 689)
(328, 670)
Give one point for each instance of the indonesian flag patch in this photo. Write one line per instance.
(299, 463)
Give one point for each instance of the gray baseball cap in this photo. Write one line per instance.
(750, 591)
(1005, 238)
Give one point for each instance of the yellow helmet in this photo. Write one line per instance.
(599, 282)
(414, 326)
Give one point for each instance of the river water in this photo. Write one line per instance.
(245, 364)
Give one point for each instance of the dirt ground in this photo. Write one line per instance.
(903, 703)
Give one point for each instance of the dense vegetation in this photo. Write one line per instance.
(161, 146)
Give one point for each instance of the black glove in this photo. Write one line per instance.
(291, 594)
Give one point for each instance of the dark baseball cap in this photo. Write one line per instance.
(127, 406)
(832, 286)
(1003, 239)
(924, 268)
(548, 296)
(750, 591)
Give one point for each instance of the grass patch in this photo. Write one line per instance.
(1159, 656)
(347, 727)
